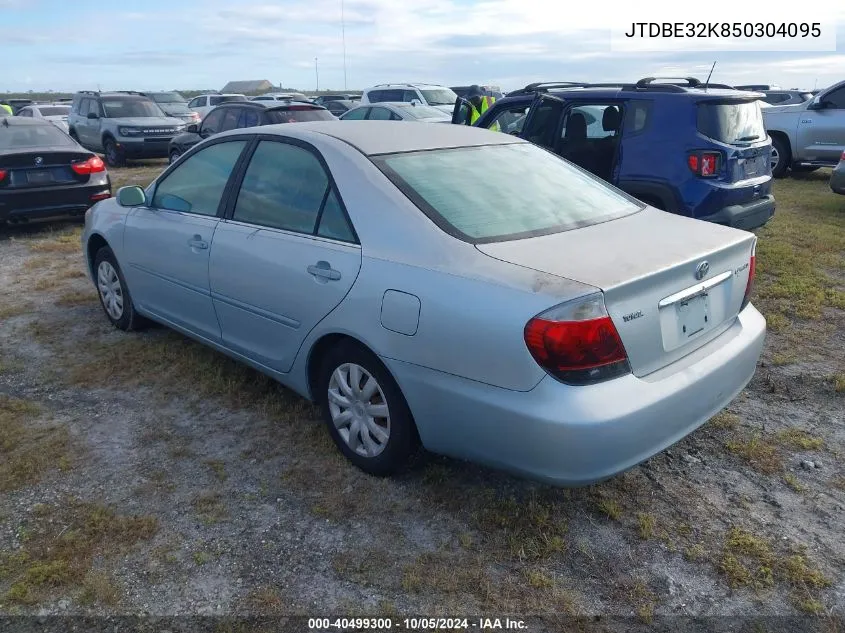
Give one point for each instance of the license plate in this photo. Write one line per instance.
(38, 177)
(693, 316)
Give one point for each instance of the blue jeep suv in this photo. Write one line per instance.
(681, 146)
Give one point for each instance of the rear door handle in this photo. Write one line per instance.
(324, 270)
(197, 242)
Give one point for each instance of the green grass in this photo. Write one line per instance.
(799, 253)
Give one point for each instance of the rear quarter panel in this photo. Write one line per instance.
(105, 220)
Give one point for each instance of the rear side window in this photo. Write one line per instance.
(731, 122)
(503, 192)
(637, 115)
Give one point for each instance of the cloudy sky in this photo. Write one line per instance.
(201, 44)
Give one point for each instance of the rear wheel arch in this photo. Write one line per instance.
(655, 194)
(783, 146)
(318, 352)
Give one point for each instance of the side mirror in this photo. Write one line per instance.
(193, 128)
(817, 104)
(132, 196)
(93, 115)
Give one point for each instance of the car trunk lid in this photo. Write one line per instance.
(646, 265)
(28, 168)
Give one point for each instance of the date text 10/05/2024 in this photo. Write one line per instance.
(418, 624)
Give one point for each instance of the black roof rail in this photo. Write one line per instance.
(130, 92)
(88, 92)
(554, 84)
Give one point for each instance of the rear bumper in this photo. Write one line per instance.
(573, 436)
(157, 148)
(747, 216)
(35, 204)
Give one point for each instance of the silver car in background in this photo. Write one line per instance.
(399, 111)
(447, 288)
(55, 113)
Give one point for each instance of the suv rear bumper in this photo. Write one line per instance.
(745, 216)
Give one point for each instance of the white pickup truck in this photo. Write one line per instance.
(808, 135)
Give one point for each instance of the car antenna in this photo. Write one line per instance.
(706, 83)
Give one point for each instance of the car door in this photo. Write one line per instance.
(85, 125)
(285, 256)
(543, 121)
(356, 114)
(821, 132)
(166, 244)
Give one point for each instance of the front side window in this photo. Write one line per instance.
(510, 120)
(213, 122)
(230, 119)
(836, 99)
(285, 187)
(356, 114)
(197, 184)
(250, 117)
(379, 114)
(503, 192)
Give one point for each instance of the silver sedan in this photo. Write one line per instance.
(446, 288)
(398, 111)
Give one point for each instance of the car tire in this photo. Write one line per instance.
(780, 157)
(382, 444)
(114, 293)
(114, 155)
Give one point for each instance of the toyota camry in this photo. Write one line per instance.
(440, 287)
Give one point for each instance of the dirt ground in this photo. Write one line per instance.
(144, 474)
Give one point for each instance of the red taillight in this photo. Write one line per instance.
(704, 164)
(752, 268)
(100, 196)
(91, 166)
(577, 342)
(2, 174)
(842, 157)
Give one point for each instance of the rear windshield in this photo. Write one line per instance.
(439, 96)
(22, 136)
(221, 99)
(290, 115)
(737, 122)
(423, 112)
(503, 192)
(169, 97)
(54, 110)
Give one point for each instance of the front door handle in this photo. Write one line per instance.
(197, 242)
(324, 270)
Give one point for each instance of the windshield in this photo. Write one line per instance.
(217, 100)
(299, 115)
(422, 112)
(21, 136)
(502, 192)
(117, 108)
(54, 110)
(737, 122)
(169, 97)
(439, 96)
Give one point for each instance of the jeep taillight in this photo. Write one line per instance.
(704, 164)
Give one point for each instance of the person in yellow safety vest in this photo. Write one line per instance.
(6, 109)
(477, 104)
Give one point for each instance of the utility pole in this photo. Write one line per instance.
(317, 72)
(343, 35)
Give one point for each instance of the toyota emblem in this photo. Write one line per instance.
(702, 269)
(39, 161)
